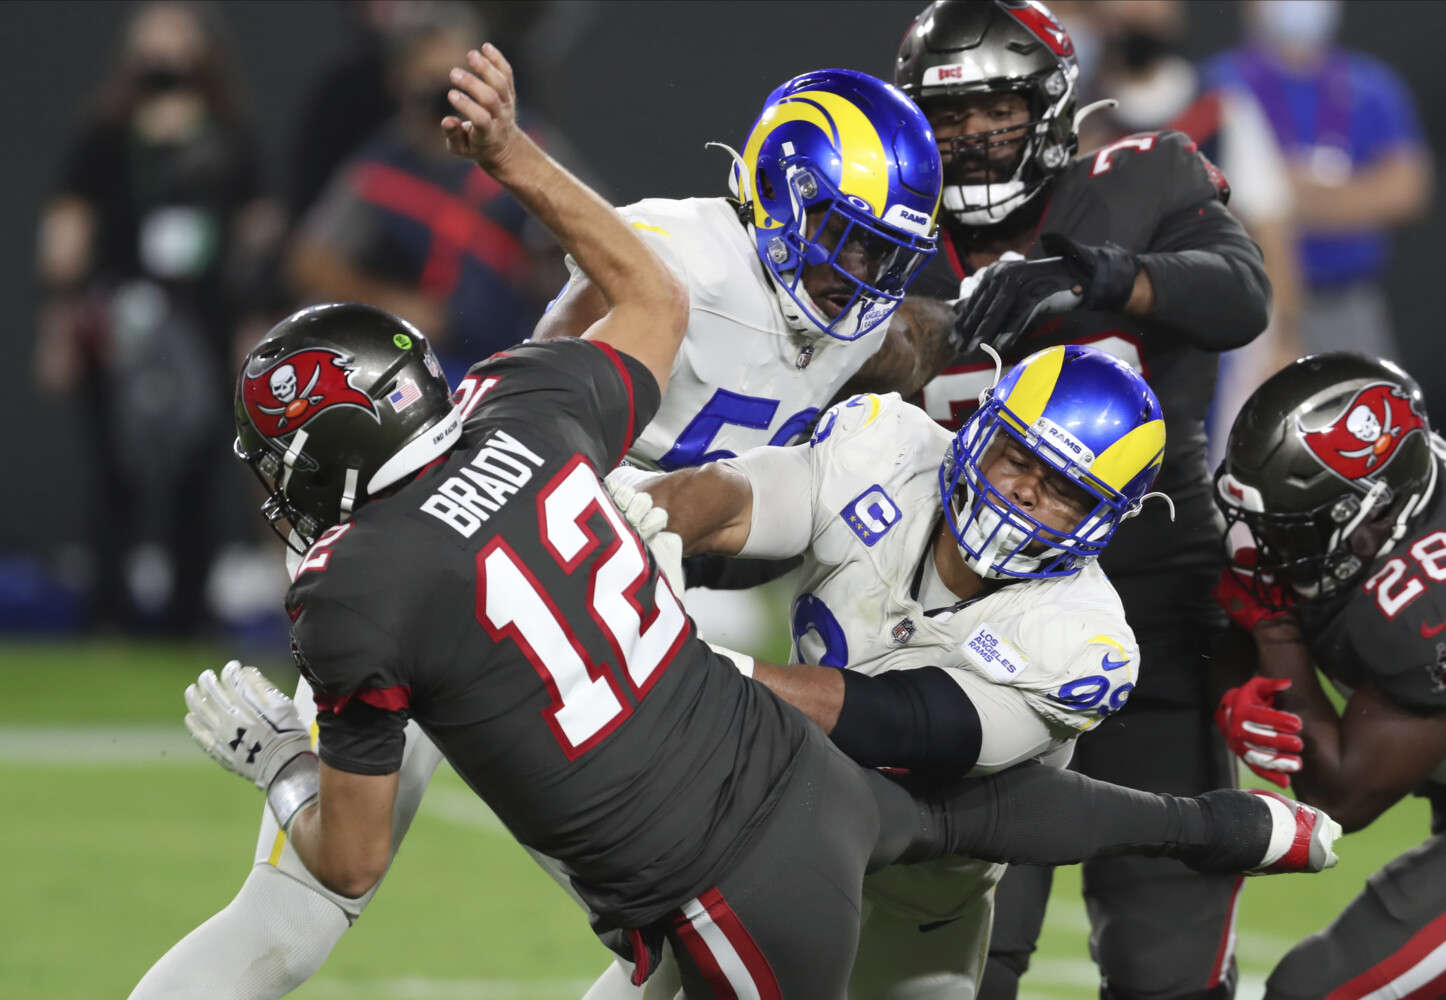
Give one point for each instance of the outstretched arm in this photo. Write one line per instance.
(647, 306)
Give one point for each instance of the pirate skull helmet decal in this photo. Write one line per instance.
(1367, 432)
(277, 405)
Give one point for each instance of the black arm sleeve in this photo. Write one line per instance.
(1209, 278)
(918, 719)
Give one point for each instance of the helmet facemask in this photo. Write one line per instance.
(1044, 149)
(1314, 554)
(824, 224)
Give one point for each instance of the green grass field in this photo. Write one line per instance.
(120, 837)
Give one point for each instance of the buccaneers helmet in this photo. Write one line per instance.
(1328, 463)
(337, 403)
(958, 48)
(860, 156)
(1087, 415)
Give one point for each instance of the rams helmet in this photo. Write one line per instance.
(840, 160)
(1085, 414)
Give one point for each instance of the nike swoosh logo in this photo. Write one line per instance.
(1432, 631)
(1110, 664)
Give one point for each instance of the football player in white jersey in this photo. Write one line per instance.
(793, 288)
(951, 617)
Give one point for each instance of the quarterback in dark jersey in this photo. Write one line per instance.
(1129, 249)
(464, 567)
(1334, 478)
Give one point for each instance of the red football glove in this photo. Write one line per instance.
(1259, 733)
(1234, 595)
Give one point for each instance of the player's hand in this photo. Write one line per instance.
(244, 723)
(1259, 733)
(1235, 592)
(651, 523)
(485, 126)
(1013, 294)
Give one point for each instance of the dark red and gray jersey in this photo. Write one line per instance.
(502, 601)
(1155, 195)
(1390, 629)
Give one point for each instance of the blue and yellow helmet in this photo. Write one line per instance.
(1085, 414)
(860, 155)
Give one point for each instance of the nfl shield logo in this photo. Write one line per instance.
(904, 631)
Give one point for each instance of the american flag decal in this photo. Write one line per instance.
(405, 395)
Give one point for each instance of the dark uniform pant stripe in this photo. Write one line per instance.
(1225, 954)
(724, 951)
(1416, 972)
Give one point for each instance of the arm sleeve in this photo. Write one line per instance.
(589, 396)
(1208, 275)
(782, 483)
(1209, 278)
(918, 719)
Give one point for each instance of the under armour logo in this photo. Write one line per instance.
(240, 738)
(251, 754)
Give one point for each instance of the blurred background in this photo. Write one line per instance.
(178, 176)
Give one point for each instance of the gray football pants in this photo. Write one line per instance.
(783, 920)
(1390, 941)
(1158, 929)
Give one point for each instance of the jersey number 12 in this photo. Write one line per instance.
(587, 700)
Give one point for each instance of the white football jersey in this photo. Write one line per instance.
(1060, 645)
(742, 378)
(1057, 648)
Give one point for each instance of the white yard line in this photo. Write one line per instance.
(91, 746)
(422, 988)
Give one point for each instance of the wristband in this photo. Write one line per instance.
(295, 787)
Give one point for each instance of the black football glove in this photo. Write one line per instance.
(1012, 294)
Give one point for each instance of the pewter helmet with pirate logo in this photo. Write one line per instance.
(337, 403)
(1328, 463)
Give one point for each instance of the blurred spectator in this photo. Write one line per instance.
(407, 227)
(346, 102)
(1156, 88)
(1357, 160)
(156, 234)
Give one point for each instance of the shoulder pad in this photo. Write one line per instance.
(853, 415)
(1087, 655)
(1164, 165)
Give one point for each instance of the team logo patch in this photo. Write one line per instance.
(1367, 433)
(994, 654)
(283, 397)
(904, 631)
(870, 515)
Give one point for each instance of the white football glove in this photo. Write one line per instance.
(651, 523)
(245, 724)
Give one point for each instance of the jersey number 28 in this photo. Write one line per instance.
(587, 700)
